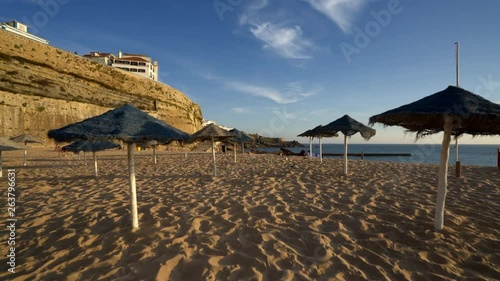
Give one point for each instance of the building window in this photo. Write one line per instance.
(134, 63)
(142, 70)
(133, 70)
(142, 64)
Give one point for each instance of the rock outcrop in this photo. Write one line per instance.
(43, 88)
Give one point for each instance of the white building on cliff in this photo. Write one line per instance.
(141, 65)
(22, 30)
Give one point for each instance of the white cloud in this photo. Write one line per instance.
(341, 12)
(289, 95)
(239, 110)
(275, 31)
(288, 42)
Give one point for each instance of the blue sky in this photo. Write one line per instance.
(280, 67)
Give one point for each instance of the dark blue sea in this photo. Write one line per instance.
(472, 155)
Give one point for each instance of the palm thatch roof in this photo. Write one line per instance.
(307, 133)
(320, 132)
(210, 131)
(348, 127)
(472, 114)
(26, 138)
(82, 145)
(6, 144)
(126, 123)
(241, 136)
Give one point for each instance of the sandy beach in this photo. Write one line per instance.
(265, 217)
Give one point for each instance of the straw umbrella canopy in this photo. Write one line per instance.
(26, 138)
(320, 134)
(242, 137)
(456, 112)
(90, 146)
(211, 132)
(348, 127)
(310, 134)
(6, 145)
(128, 124)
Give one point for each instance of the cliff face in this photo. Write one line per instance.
(43, 88)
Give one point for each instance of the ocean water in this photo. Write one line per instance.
(471, 155)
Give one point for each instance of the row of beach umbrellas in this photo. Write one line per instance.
(133, 126)
(454, 111)
(318, 132)
(347, 126)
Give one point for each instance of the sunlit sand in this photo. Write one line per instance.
(264, 218)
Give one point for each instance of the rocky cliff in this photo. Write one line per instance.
(43, 88)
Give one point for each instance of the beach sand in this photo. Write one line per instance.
(263, 218)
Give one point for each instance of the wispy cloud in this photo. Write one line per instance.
(207, 75)
(290, 94)
(341, 12)
(252, 11)
(298, 115)
(239, 110)
(277, 35)
(288, 42)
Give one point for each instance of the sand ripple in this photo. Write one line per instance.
(263, 218)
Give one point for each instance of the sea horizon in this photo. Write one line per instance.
(468, 154)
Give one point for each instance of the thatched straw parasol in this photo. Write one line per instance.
(348, 127)
(456, 112)
(320, 134)
(128, 124)
(26, 138)
(211, 132)
(90, 146)
(6, 145)
(241, 137)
